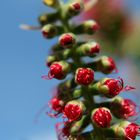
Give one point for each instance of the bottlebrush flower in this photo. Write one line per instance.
(67, 40)
(49, 31)
(126, 130)
(58, 70)
(74, 97)
(106, 65)
(75, 8)
(84, 76)
(101, 117)
(123, 108)
(74, 110)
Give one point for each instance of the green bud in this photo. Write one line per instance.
(88, 49)
(77, 93)
(88, 27)
(48, 18)
(49, 31)
(75, 8)
(106, 65)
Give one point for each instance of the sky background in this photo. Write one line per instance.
(22, 63)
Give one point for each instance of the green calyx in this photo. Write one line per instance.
(65, 66)
(49, 31)
(87, 27)
(79, 126)
(86, 49)
(104, 65)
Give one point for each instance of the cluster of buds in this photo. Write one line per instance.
(75, 95)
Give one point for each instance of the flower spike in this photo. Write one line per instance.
(74, 99)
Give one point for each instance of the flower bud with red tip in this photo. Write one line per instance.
(88, 49)
(84, 76)
(57, 104)
(106, 65)
(88, 27)
(75, 8)
(110, 87)
(123, 108)
(48, 18)
(49, 31)
(101, 117)
(126, 130)
(58, 70)
(67, 40)
(74, 110)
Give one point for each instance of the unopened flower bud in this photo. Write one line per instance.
(49, 31)
(48, 18)
(74, 110)
(67, 40)
(101, 117)
(110, 87)
(123, 108)
(56, 107)
(75, 8)
(126, 130)
(106, 65)
(88, 49)
(57, 104)
(84, 76)
(88, 27)
(58, 70)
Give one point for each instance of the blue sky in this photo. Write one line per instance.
(22, 60)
